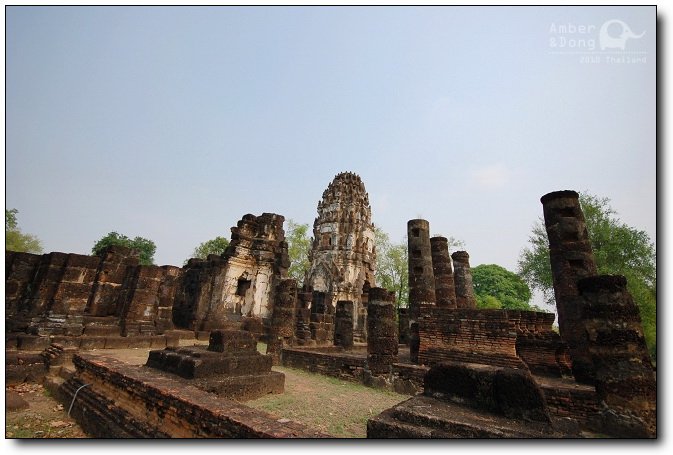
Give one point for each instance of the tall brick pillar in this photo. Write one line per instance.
(303, 316)
(571, 259)
(463, 280)
(445, 289)
(343, 324)
(283, 318)
(381, 332)
(421, 278)
(625, 381)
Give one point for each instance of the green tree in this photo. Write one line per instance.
(15, 240)
(392, 267)
(212, 246)
(145, 247)
(618, 249)
(494, 284)
(298, 246)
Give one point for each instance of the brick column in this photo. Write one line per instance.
(283, 318)
(625, 381)
(421, 278)
(463, 279)
(381, 332)
(445, 289)
(571, 259)
(343, 324)
(303, 315)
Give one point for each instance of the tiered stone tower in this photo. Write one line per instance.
(343, 257)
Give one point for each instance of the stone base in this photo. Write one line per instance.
(199, 362)
(244, 388)
(426, 417)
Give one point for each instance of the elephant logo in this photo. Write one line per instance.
(619, 42)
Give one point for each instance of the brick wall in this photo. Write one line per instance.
(465, 335)
(125, 401)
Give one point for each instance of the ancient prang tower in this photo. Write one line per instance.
(343, 257)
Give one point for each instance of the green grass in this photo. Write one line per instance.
(340, 408)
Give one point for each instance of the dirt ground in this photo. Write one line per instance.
(44, 418)
(337, 407)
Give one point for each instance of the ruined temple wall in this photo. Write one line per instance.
(115, 263)
(239, 284)
(19, 274)
(148, 300)
(475, 336)
(70, 294)
(538, 345)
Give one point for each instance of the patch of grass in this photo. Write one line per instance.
(332, 405)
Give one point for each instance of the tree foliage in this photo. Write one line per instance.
(145, 247)
(494, 284)
(15, 240)
(298, 247)
(618, 249)
(212, 246)
(392, 267)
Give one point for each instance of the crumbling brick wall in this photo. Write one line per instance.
(475, 336)
(538, 345)
(624, 376)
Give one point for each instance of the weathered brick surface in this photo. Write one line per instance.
(463, 280)
(19, 273)
(283, 322)
(230, 366)
(115, 263)
(343, 324)
(538, 345)
(571, 400)
(445, 289)
(571, 259)
(421, 278)
(149, 404)
(343, 257)
(382, 338)
(474, 336)
(505, 391)
(624, 376)
(328, 361)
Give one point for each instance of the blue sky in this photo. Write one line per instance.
(171, 123)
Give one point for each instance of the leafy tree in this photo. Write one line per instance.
(507, 288)
(145, 247)
(212, 246)
(392, 267)
(298, 246)
(618, 249)
(17, 241)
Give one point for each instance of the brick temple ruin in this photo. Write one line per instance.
(470, 372)
(343, 254)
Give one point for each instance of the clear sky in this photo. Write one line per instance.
(171, 123)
